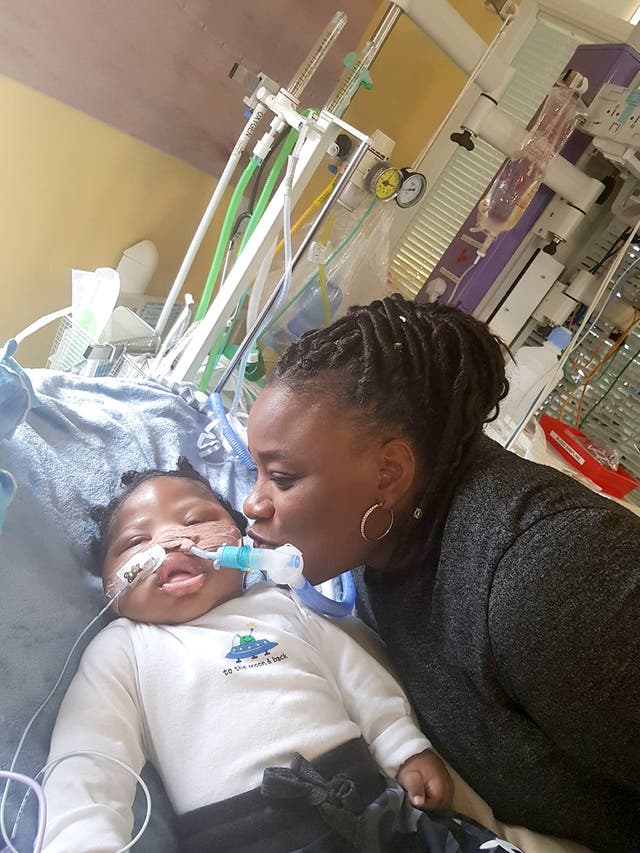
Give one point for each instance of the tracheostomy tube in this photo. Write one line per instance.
(283, 565)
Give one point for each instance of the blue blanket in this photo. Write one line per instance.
(66, 456)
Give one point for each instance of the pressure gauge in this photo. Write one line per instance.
(411, 190)
(384, 182)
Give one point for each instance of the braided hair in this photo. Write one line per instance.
(426, 372)
(130, 480)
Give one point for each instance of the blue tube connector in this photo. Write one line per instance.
(283, 565)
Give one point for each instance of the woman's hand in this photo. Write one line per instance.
(427, 781)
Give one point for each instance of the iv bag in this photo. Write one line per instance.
(519, 178)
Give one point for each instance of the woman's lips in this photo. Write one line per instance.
(259, 542)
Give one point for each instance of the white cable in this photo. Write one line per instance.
(606, 302)
(177, 330)
(255, 297)
(578, 337)
(14, 760)
(163, 368)
(32, 785)
(207, 216)
(50, 767)
(286, 231)
(41, 323)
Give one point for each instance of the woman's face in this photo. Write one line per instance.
(317, 476)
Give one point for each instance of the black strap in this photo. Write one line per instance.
(381, 825)
(302, 779)
(253, 823)
(337, 799)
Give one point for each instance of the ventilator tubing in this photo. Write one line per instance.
(283, 565)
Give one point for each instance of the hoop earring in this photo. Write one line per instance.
(365, 518)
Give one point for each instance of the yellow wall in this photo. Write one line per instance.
(414, 84)
(75, 193)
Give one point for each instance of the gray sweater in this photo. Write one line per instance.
(519, 645)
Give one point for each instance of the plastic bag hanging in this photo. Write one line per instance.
(519, 178)
(348, 268)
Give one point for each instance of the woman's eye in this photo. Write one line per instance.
(283, 481)
(189, 522)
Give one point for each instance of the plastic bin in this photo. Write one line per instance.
(569, 443)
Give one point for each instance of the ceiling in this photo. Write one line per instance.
(158, 69)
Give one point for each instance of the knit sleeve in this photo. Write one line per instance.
(90, 799)
(564, 617)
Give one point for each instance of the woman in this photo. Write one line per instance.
(507, 594)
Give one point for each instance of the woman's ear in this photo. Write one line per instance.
(397, 472)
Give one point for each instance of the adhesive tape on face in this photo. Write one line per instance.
(141, 565)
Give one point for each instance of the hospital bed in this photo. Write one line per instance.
(84, 432)
(66, 456)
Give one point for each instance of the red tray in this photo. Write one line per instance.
(569, 443)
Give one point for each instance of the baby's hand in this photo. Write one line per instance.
(427, 781)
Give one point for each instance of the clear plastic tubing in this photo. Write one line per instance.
(317, 54)
(281, 565)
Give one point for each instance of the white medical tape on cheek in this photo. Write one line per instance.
(112, 589)
(138, 567)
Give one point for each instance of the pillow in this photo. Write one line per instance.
(66, 456)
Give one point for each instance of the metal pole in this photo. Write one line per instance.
(254, 330)
(385, 26)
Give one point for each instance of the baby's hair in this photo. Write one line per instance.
(103, 515)
(427, 372)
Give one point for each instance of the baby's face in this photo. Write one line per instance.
(161, 511)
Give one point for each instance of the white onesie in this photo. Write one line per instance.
(212, 703)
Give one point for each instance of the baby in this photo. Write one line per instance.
(266, 722)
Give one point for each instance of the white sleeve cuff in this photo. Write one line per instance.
(398, 742)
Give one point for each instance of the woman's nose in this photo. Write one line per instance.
(257, 504)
